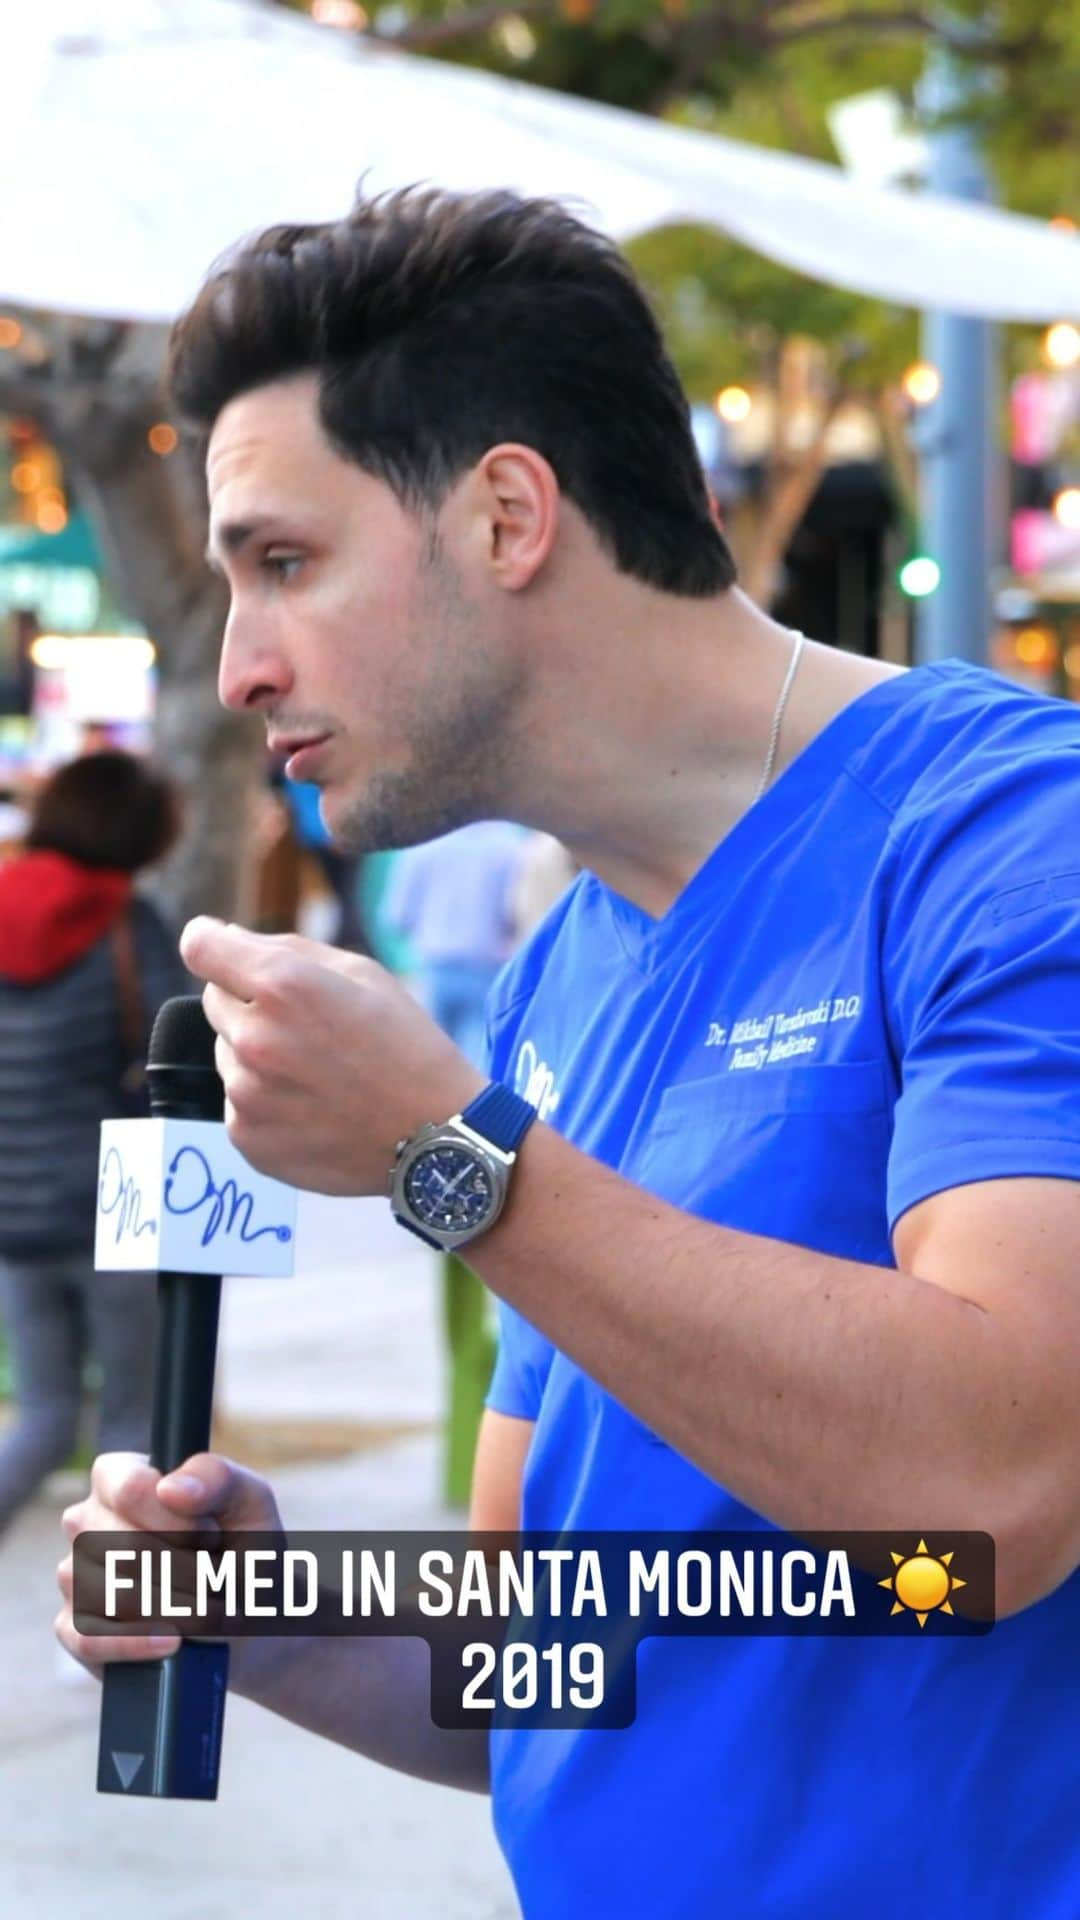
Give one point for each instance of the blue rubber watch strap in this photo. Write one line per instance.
(501, 1116)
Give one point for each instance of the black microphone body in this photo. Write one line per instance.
(188, 1303)
(161, 1720)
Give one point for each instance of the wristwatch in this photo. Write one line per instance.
(449, 1182)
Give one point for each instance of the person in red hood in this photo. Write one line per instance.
(84, 964)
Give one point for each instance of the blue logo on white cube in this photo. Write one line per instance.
(175, 1196)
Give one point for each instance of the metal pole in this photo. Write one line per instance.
(956, 438)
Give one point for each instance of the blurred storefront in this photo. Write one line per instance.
(1037, 641)
(73, 673)
(1038, 605)
(853, 570)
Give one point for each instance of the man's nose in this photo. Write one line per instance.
(251, 672)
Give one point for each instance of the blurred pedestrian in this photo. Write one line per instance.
(453, 900)
(545, 871)
(339, 869)
(84, 965)
(13, 824)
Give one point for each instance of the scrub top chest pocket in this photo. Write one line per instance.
(755, 1148)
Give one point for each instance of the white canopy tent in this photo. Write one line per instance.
(144, 137)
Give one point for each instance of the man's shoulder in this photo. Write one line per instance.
(965, 738)
(985, 831)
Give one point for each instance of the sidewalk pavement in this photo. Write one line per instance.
(300, 1825)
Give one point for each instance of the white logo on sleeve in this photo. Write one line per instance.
(535, 1081)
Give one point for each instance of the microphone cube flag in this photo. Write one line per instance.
(175, 1196)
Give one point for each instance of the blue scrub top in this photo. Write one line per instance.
(868, 993)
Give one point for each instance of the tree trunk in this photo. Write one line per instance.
(149, 516)
(790, 490)
(147, 540)
(793, 474)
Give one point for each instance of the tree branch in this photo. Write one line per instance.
(697, 41)
(694, 41)
(98, 413)
(420, 36)
(791, 481)
(900, 456)
(910, 21)
(804, 20)
(24, 390)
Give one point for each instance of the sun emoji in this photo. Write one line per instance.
(922, 1583)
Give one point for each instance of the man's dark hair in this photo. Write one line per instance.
(440, 324)
(106, 809)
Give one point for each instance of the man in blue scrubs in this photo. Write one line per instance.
(790, 1239)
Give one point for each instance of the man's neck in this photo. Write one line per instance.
(659, 745)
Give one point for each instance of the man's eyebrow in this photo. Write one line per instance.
(231, 537)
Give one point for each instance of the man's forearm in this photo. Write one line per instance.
(822, 1392)
(370, 1694)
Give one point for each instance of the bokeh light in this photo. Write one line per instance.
(1061, 345)
(734, 404)
(1035, 647)
(338, 13)
(52, 652)
(922, 383)
(920, 576)
(1066, 507)
(51, 515)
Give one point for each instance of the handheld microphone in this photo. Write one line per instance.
(161, 1720)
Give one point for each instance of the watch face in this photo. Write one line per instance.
(449, 1188)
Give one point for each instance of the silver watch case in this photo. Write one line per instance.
(451, 1133)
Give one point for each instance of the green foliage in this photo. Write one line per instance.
(618, 68)
(725, 311)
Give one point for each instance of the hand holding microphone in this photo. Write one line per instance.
(163, 1702)
(128, 1495)
(318, 1062)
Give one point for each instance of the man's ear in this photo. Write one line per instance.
(519, 498)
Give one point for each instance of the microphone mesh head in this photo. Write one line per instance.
(182, 1036)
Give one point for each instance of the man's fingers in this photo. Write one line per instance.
(94, 1651)
(320, 954)
(71, 1520)
(127, 1494)
(230, 956)
(358, 967)
(113, 1586)
(233, 957)
(224, 1057)
(208, 1487)
(96, 1620)
(205, 1491)
(124, 1497)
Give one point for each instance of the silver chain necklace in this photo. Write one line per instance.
(778, 716)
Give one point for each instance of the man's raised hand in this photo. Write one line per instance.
(327, 1061)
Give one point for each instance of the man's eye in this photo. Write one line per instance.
(281, 566)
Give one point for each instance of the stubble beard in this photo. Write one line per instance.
(461, 732)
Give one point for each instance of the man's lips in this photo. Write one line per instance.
(301, 749)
